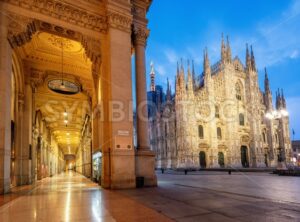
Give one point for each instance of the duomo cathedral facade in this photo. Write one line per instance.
(219, 119)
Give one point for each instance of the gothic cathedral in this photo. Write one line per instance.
(219, 119)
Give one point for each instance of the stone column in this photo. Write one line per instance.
(145, 158)
(19, 141)
(5, 106)
(27, 135)
(141, 95)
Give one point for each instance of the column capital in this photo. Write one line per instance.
(140, 35)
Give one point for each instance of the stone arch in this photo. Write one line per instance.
(239, 90)
(18, 73)
(92, 46)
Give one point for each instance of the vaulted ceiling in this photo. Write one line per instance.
(64, 114)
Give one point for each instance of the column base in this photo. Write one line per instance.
(122, 170)
(145, 166)
(4, 186)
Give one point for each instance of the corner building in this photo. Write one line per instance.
(64, 67)
(220, 118)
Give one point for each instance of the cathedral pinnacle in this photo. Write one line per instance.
(193, 73)
(253, 60)
(267, 84)
(206, 65)
(152, 76)
(223, 50)
(283, 100)
(248, 59)
(228, 51)
(168, 90)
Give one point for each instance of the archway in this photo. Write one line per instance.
(244, 156)
(221, 159)
(202, 159)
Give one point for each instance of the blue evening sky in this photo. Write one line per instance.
(183, 28)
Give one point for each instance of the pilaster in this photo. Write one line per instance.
(5, 105)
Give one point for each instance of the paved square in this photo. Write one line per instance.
(217, 196)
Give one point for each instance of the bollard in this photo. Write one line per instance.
(185, 172)
(229, 172)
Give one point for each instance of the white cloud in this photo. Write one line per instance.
(160, 70)
(171, 55)
(295, 54)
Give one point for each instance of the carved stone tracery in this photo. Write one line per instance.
(119, 21)
(66, 12)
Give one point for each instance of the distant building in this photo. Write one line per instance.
(220, 118)
(296, 151)
(156, 96)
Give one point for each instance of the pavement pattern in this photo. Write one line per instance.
(198, 196)
(217, 196)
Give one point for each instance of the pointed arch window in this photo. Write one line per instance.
(264, 137)
(242, 119)
(238, 91)
(200, 132)
(217, 112)
(219, 133)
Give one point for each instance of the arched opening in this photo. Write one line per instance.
(217, 112)
(221, 159)
(219, 133)
(244, 156)
(266, 159)
(238, 91)
(202, 159)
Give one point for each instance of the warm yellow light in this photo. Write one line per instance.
(65, 113)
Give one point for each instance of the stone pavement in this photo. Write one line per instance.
(200, 196)
(71, 197)
(217, 196)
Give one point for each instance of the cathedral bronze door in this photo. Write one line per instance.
(244, 156)
(266, 160)
(202, 159)
(221, 159)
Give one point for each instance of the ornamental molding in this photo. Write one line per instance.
(65, 12)
(138, 11)
(21, 29)
(119, 21)
(140, 35)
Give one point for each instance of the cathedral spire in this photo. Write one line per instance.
(182, 77)
(189, 78)
(283, 100)
(152, 76)
(248, 59)
(181, 66)
(228, 52)
(278, 100)
(267, 83)
(268, 93)
(193, 74)
(253, 60)
(206, 66)
(223, 50)
(168, 90)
